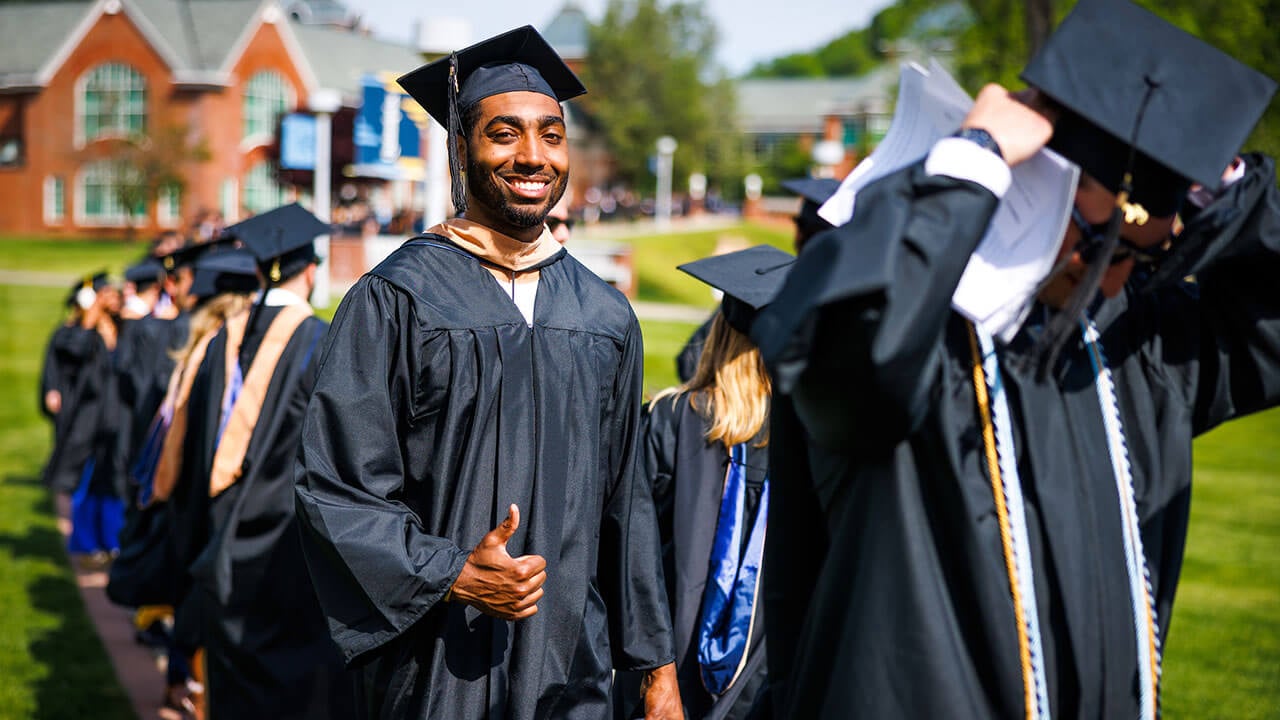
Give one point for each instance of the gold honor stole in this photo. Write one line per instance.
(228, 460)
(179, 393)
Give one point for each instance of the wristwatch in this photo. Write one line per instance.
(981, 138)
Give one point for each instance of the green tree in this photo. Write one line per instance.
(652, 71)
(997, 45)
(147, 164)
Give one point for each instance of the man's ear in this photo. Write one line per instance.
(460, 144)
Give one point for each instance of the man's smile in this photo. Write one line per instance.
(535, 188)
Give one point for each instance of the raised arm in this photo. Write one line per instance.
(858, 322)
(1238, 304)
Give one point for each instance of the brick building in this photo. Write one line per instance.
(81, 82)
(785, 116)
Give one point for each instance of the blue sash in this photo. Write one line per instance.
(728, 602)
(229, 402)
(143, 471)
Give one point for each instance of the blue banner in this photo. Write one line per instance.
(384, 133)
(298, 142)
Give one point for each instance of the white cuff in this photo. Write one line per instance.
(966, 160)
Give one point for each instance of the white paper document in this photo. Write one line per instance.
(1021, 243)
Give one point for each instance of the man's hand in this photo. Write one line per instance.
(1021, 124)
(53, 402)
(497, 584)
(662, 694)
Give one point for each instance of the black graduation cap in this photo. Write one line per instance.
(191, 252)
(281, 239)
(228, 271)
(91, 282)
(144, 274)
(1149, 109)
(1123, 74)
(517, 60)
(814, 192)
(750, 280)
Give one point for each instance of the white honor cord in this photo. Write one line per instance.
(1012, 486)
(1144, 612)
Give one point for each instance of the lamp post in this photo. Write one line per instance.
(324, 102)
(662, 204)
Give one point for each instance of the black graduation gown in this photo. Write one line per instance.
(85, 427)
(687, 474)
(144, 364)
(888, 595)
(267, 651)
(58, 370)
(435, 409)
(145, 572)
(687, 360)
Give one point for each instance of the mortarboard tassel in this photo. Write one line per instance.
(1065, 323)
(457, 189)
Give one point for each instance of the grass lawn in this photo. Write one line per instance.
(1223, 653)
(657, 256)
(72, 257)
(51, 662)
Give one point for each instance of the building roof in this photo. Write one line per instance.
(798, 105)
(199, 34)
(30, 33)
(199, 39)
(567, 32)
(339, 59)
(36, 37)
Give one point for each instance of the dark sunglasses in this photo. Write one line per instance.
(1093, 235)
(554, 223)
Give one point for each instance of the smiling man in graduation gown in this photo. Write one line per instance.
(267, 650)
(474, 523)
(965, 527)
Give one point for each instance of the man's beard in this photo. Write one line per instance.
(485, 189)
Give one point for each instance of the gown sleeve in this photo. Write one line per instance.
(658, 427)
(855, 330)
(375, 568)
(51, 376)
(1215, 340)
(1239, 334)
(630, 560)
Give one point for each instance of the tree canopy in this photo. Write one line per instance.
(992, 40)
(657, 64)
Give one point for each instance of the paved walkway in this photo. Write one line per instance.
(33, 278)
(137, 670)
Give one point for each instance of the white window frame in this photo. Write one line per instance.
(116, 216)
(169, 206)
(272, 80)
(228, 195)
(55, 200)
(259, 181)
(81, 103)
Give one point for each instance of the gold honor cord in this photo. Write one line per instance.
(1002, 514)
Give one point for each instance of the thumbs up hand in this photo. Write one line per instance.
(497, 584)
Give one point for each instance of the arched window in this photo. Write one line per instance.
(261, 191)
(102, 189)
(267, 96)
(113, 102)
